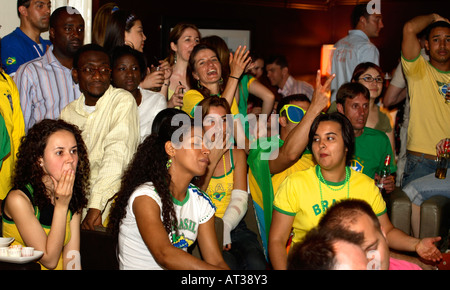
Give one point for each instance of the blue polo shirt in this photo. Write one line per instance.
(18, 48)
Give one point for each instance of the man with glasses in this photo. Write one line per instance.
(45, 84)
(109, 121)
(277, 156)
(25, 43)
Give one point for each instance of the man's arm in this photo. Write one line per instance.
(119, 146)
(410, 44)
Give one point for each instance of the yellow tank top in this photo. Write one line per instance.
(219, 188)
(44, 217)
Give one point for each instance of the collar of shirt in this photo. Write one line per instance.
(287, 86)
(81, 102)
(357, 32)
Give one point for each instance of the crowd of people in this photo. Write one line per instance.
(93, 136)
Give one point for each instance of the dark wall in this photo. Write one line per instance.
(296, 33)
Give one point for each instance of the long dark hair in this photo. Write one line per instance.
(28, 170)
(193, 83)
(149, 165)
(120, 21)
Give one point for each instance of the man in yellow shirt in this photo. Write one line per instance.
(428, 87)
(109, 121)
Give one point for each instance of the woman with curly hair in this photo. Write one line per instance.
(43, 210)
(158, 213)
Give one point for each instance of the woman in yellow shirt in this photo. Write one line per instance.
(304, 196)
(205, 75)
(43, 210)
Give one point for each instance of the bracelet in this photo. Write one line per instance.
(166, 84)
(233, 77)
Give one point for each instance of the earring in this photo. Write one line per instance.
(221, 81)
(169, 163)
(199, 85)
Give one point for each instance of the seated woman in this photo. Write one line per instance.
(128, 70)
(225, 182)
(371, 76)
(423, 188)
(43, 210)
(158, 213)
(303, 197)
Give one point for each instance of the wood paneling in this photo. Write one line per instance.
(280, 26)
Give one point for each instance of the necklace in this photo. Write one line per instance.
(322, 180)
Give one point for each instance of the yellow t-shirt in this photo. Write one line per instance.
(305, 162)
(191, 99)
(220, 188)
(429, 117)
(300, 196)
(12, 114)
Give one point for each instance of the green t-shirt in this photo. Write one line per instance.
(371, 149)
(5, 145)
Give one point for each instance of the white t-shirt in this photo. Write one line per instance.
(194, 210)
(151, 104)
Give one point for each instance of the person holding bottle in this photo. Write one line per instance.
(421, 189)
(371, 146)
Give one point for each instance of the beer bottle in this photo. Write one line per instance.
(385, 172)
(442, 162)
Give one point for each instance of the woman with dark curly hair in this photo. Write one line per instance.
(43, 210)
(158, 213)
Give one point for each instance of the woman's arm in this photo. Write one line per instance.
(280, 230)
(71, 252)
(398, 240)
(152, 230)
(209, 246)
(237, 208)
(257, 89)
(20, 209)
(238, 63)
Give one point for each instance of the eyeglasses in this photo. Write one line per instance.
(91, 71)
(371, 79)
(293, 113)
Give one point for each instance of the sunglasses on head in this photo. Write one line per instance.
(293, 113)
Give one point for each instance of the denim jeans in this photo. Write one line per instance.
(246, 252)
(417, 167)
(423, 188)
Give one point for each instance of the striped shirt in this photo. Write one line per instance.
(293, 86)
(45, 88)
(111, 134)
